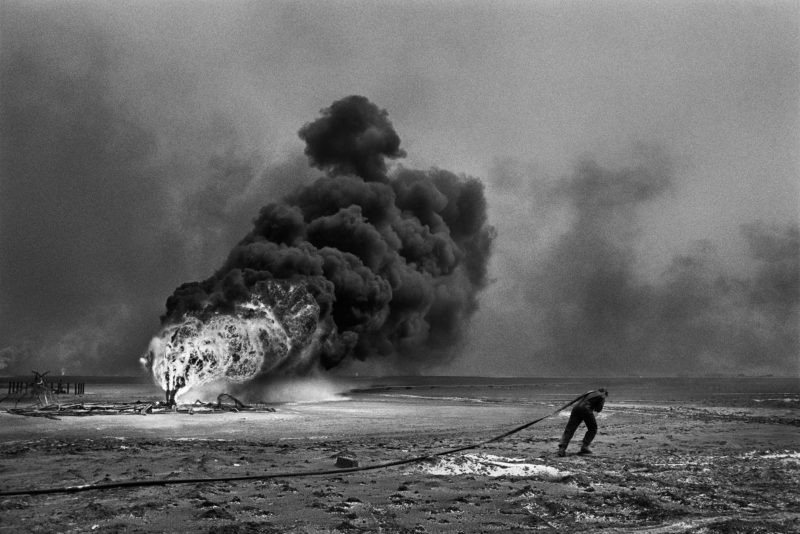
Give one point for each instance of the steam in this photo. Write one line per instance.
(392, 263)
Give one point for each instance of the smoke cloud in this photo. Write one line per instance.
(137, 146)
(120, 176)
(596, 312)
(394, 261)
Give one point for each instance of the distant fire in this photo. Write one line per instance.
(257, 336)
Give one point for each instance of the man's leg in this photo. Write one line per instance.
(591, 431)
(575, 419)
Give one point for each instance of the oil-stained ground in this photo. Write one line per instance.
(656, 468)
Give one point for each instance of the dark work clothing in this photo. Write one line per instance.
(595, 401)
(580, 414)
(583, 412)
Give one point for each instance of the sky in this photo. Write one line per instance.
(639, 160)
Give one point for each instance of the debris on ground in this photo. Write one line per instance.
(225, 403)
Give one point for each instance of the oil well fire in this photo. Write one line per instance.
(364, 262)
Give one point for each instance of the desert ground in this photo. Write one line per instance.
(657, 468)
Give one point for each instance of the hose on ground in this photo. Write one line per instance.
(290, 474)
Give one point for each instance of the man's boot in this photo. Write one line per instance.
(562, 452)
(585, 450)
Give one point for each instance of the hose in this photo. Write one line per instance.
(290, 474)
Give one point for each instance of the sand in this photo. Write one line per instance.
(656, 468)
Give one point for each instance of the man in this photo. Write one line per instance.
(583, 412)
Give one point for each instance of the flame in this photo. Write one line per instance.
(260, 335)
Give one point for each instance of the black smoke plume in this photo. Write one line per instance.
(394, 261)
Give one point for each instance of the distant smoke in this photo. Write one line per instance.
(119, 177)
(594, 313)
(394, 262)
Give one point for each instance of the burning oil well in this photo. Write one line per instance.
(361, 263)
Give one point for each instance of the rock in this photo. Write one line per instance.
(217, 513)
(346, 460)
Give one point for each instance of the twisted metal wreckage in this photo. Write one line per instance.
(47, 403)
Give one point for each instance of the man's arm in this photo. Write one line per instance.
(599, 403)
(597, 399)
